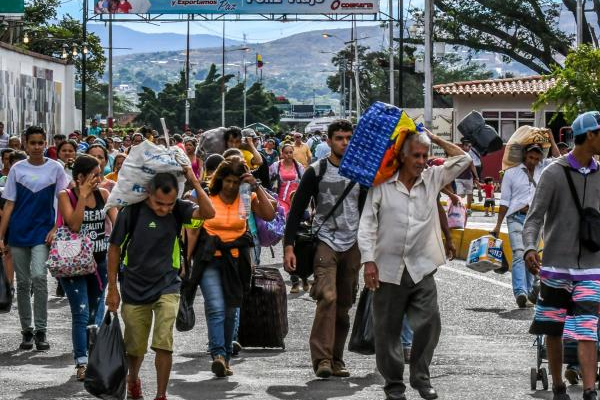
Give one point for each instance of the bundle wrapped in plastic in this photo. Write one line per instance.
(523, 137)
(372, 155)
(485, 254)
(143, 162)
(213, 141)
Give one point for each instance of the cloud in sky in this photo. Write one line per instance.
(255, 31)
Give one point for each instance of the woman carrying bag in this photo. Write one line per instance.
(81, 209)
(287, 172)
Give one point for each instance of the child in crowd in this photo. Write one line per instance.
(490, 203)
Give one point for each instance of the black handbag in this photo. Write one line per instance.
(306, 241)
(362, 339)
(589, 219)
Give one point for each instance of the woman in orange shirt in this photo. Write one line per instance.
(228, 225)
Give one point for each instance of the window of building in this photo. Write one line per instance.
(506, 122)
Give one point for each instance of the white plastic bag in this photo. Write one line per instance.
(457, 216)
(143, 162)
(485, 254)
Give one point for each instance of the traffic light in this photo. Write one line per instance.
(259, 61)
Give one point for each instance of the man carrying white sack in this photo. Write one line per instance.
(400, 240)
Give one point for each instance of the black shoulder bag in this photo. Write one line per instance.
(306, 242)
(589, 219)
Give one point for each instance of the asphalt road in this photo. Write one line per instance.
(485, 352)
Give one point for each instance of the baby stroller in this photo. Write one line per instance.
(540, 373)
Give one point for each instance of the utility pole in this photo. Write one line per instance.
(84, 67)
(579, 22)
(428, 114)
(245, 75)
(110, 72)
(187, 77)
(223, 81)
(343, 99)
(391, 49)
(356, 76)
(400, 51)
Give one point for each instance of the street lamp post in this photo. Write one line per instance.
(391, 27)
(84, 67)
(428, 112)
(187, 77)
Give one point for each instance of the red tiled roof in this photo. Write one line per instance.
(521, 85)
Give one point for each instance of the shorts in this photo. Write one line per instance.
(489, 203)
(138, 321)
(567, 308)
(464, 186)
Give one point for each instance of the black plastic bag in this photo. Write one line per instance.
(106, 373)
(362, 340)
(186, 317)
(304, 249)
(6, 292)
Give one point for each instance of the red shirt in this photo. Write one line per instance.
(124, 7)
(489, 190)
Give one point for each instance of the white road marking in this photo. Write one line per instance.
(477, 276)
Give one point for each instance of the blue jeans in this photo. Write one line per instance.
(220, 319)
(522, 279)
(85, 295)
(407, 334)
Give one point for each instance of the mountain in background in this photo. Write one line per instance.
(131, 41)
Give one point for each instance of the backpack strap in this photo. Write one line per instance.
(337, 204)
(573, 190)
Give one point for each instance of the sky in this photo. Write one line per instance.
(254, 31)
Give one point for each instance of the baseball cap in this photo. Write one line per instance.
(586, 122)
(534, 147)
(248, 132)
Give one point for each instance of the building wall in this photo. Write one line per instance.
(36, 90)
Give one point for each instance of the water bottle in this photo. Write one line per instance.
(245, 200)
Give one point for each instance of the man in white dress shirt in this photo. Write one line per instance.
(400, 241)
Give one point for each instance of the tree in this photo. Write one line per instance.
(47, 35)
(97, 102)
(577, 87)
(374, 76)
(527, 31)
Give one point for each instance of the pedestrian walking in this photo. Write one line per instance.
(466, 181)
(82, 209)
(322, 150)
(302, 152)
(401, 251)
(151, 283)
(336, 259)
(286, 173)
(29, 214)
(567, 306)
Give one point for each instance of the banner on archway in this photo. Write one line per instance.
(236, 6)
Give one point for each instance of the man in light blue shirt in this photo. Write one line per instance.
(323, 150)
(94, 130)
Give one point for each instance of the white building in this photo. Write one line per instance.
(36, 89)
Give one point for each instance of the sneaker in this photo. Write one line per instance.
(305, 285)
(339, 369)
(324, 369)
(236, 348)
(590, 394)
(27, 343)
(134, 391)
(80, 372)
(572, 374)
(560, 392)
(522, 300)
(295, 288)
(41, 343)
(219, 367)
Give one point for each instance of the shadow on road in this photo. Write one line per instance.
(322, 389)
(206, 389)
(517, 314)
(67, 390)
(20, 357)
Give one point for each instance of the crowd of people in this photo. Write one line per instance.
(141, 251)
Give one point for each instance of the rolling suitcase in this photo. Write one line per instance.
(263, 315)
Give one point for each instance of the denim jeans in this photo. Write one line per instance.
(103, 273)
(84, 294)
(522, 279)
(407, 334)
(220, 319)
(30, 268)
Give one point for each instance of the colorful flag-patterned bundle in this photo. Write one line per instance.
(372, 155)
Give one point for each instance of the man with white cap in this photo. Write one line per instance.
(567, 207)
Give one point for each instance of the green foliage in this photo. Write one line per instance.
(47, 35)
(527, 31)
(97, 102)
(577, 87)
(205, 108)
(374, 76)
